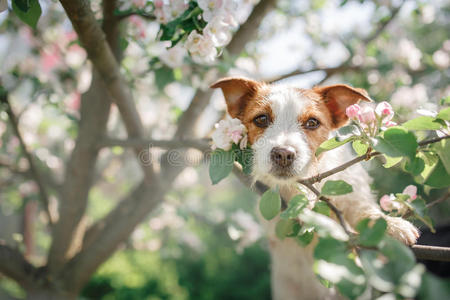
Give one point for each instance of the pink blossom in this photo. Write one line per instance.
(139, 3)
(386, 203)
(366, 115)
(50, 58)
(385, 111)
(139, 24)
(353, 111)
(389, 124)
(411, 190)
(228, 131)
(159, 3)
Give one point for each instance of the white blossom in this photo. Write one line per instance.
(173, 57)
(228, 131)
(218, 31)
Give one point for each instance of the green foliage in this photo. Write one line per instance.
(270, 204)
(360, 147)
(332, 144)
(397, 142)
(371, 235)
(336, 187)
(29, 11)
(182, 26)
(422, 123)
(222, 162)
(295, 207)
(221, 165)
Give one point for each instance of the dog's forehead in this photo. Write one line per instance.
(287, 101)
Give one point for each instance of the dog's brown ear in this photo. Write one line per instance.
(338, 97)
(238, 91)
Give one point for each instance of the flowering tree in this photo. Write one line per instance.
(121, 74)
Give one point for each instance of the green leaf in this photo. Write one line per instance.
(163, 76)
(270, 204)
(332, 144)
(328, 247)
(245, 159)
(397, 142)
(360, 147)
(422, 123)
(420, 211)
(444, 114)
(443, 150)
(322, 207)
(324, 226)
(334, 264)
(284, 228)
(295, 207)
(347, 132)
(439, 177)
(433, 287)
(336, 187)
(398, 254)
(305, 238)
(370, 236)
(445, 100)
(221, 164)
(391, 161)
(415, 166)
(378, 273)
(28, 11)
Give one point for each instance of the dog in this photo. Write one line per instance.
(285, 126)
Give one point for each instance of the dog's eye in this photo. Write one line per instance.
(312, 123)
(262, 121)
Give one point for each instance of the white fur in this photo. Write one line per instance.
(292, 275)
(286, 105)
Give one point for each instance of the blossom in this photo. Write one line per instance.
(227, 132)
(218, 31)
(139, 3)
(210, 7)
(388, 124)
(201, 47)
(173, 57)
(386, 202)
(353, 111)
(366, 115)
(410, 190)
(385, 111)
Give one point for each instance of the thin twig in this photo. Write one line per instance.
(335, 210)
(38, 178)
(439, 200)
(367, 156)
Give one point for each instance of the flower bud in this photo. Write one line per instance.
(366, 115)
(352, 111)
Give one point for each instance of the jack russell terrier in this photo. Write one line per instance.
(285, 127)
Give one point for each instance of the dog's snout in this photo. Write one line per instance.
(283, 156)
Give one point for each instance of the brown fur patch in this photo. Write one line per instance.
(256, 107)
(318, 110)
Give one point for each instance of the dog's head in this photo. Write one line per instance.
(286, 125)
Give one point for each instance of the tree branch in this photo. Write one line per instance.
(201, 144)
(37, 176)
(99, 52)
(14, 265)
(103, 238)
(80, 170)
(367, 156)
(346, 65)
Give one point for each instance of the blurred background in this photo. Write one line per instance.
(200, 241)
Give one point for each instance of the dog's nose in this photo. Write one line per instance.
(283, 157)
